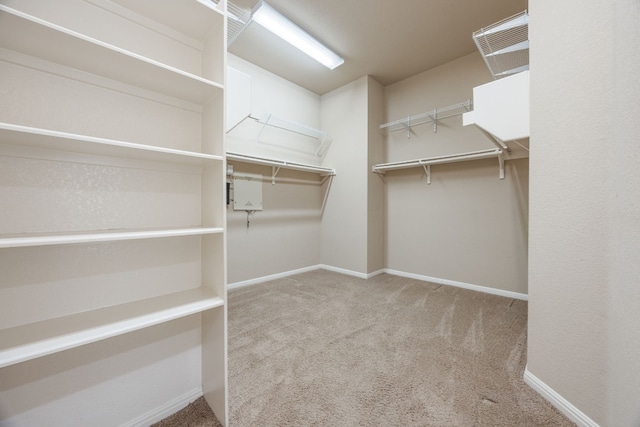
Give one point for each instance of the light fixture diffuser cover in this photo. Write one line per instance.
(281, 26)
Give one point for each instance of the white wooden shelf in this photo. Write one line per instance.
(45, 239)
(278, 164)
(428, 117)
(36, 37)
(426, 162)
(68, 142)
(79, 73)
(203, 15)
(30, 341)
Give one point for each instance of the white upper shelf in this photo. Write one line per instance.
(203, 15)
(69, 142)
(502, 108)
(36, 37)
(45, 239)
(428, 117)
(38, 339)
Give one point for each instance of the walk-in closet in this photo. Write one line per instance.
(329, 212)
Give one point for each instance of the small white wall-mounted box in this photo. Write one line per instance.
(247, 192)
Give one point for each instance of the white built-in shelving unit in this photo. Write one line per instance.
(112, 162)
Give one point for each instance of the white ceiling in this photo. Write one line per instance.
(389, 40)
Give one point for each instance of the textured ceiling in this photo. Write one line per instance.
(389, 40)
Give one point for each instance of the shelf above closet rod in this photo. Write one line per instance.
(428, 117)
(268, 119)
(426, 163)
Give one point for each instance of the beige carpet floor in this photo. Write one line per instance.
(325, 349)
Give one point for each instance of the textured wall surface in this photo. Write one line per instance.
(344, 223)
(583, 339)
(623, 402)
(285, 235)
(467, 225)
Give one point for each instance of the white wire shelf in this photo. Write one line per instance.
(505, 45)
(428, 117)
(238, 19)
(426, 162)
(322, 138)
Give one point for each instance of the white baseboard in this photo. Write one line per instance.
(359, 275)
(350, 272)
(165, 410)
(563, 405)
(376, 273)
(272, 277)
(470, 286)
(303, 270)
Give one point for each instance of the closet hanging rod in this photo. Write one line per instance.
(426, 163)
(280, 163)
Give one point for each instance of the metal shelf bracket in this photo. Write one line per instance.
(427, 171)
(274, 172)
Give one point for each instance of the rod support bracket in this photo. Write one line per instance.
(427, 171)
(274, 172)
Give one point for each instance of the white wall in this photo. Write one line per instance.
(466, 226)
(344, 223)
(274, 95)
(584, 231)
(376, 260)
(285, 236)
(623, 364)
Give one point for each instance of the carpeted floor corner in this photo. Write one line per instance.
(196, 414)
(327, 349)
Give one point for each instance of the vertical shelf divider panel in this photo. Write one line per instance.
(184, 90)
(214, 322)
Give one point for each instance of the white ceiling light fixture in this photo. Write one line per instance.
(281, 26)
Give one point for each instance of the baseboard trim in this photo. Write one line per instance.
(563, 405)
(350, 272)
(470, 286)
(272, 277)
(165, 410)
(304, 270)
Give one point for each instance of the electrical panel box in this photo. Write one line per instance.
(247, 192)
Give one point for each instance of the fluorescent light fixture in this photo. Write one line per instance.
(279, 25)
